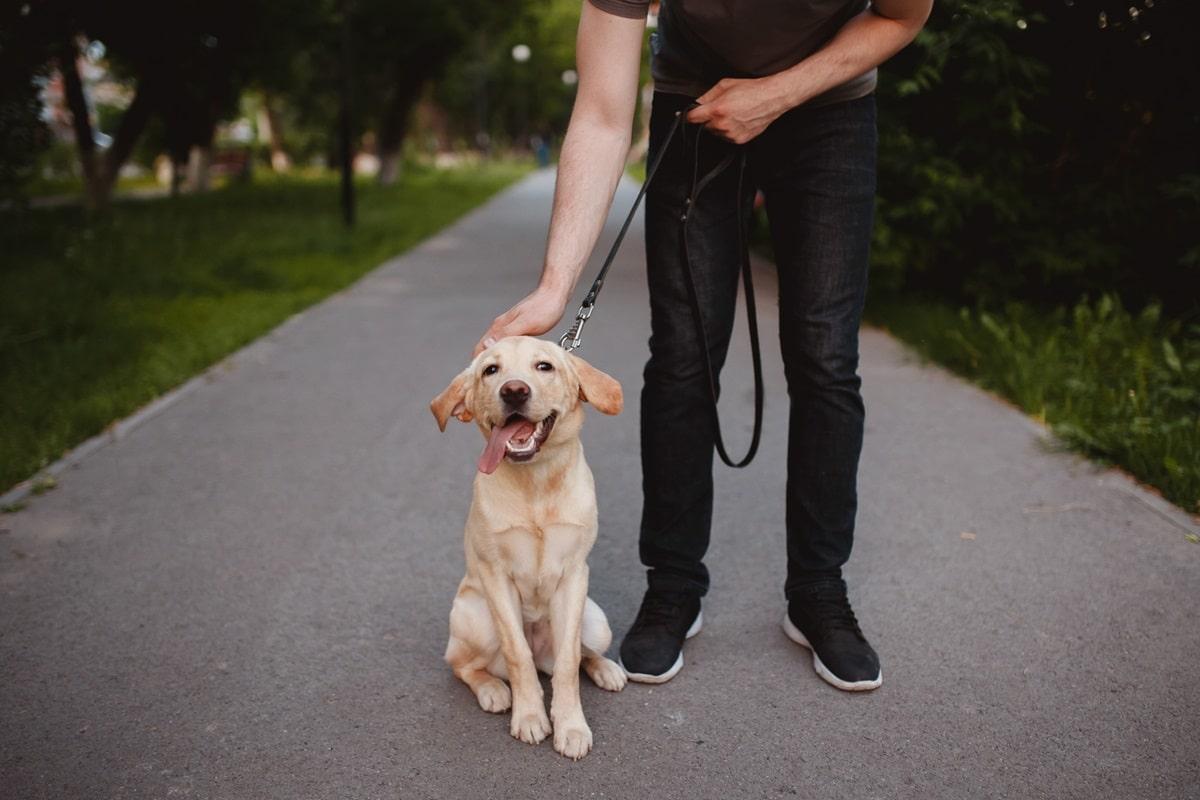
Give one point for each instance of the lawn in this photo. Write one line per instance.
(98, 318)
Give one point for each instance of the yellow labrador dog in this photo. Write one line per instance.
(523, 605)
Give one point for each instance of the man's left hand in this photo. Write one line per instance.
(739, 109)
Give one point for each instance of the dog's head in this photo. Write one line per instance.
(526, 396)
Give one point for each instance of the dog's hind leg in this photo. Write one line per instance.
(541, 642)
(595, 638)
(472, 647)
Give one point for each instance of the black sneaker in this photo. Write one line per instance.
(652, 651)
(819, 617)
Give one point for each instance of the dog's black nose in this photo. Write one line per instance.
(515, 393)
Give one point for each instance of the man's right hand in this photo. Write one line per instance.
(533, 316)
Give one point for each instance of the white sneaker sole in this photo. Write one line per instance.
(793, 633)
(641, 677)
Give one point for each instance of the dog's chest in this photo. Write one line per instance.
(537, 557)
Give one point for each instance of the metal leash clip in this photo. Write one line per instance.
(573, 338)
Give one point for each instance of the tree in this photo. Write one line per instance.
(399, 46)
(22, 62)
(185, 60)
(486, 90)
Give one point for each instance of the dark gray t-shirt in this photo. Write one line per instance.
(698, 42)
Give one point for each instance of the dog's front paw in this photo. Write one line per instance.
(530, 726)
(606, 674)
(494, 696)
(573, 739)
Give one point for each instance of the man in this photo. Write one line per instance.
(791, 85)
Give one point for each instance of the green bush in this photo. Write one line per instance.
(1027, 152)
(25, 137)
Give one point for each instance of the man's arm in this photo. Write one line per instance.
(608, 55)
(741, 109)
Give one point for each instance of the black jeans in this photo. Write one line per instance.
(816, 168)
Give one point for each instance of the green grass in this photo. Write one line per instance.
(98, 318)
(50, 187)
(1119, 387)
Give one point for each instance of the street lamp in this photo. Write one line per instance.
(521, 54)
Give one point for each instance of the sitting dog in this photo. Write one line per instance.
(523, 604)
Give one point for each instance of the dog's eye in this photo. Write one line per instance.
(491, 369)
(545, 366)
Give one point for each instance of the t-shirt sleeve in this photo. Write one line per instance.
(631, 9)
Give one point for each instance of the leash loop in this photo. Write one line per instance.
(751, 309)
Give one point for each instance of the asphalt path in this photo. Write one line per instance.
(246, 594)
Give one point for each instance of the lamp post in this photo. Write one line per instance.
(521, 54)
(345, 128)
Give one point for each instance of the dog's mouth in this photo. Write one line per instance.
(517, 439)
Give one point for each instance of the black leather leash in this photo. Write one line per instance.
(573, 338)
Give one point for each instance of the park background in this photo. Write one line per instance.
(169, 181)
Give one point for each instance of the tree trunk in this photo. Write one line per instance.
(177, 175)
(394, 125)
(133, 122)
(100, 173)
(199, 172)
(389, 167)
(81, 121)
(280, 161)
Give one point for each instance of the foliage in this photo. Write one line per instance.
(98, 317)
(487, 89)
(188, 63)
(1118, 386)
(1026, 152)
(1033, 153)
(24, 134)
(396, 48)
(25, 138)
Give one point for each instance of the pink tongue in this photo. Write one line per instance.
(493, 453)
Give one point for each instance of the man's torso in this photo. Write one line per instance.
(698, 42)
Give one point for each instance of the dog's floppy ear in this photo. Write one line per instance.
(598, 388)
(452, 401)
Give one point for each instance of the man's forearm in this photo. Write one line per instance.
(739, 109)
(608, 57)
(863, 43)
(591, 163)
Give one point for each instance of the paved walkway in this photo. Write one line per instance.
(246, 596)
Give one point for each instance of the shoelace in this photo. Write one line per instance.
(661, 610)
(830, 609)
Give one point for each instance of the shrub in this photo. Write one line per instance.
(1028, 153)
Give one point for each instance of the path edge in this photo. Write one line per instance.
(121, 428)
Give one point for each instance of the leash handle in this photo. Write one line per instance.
(573, 338)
